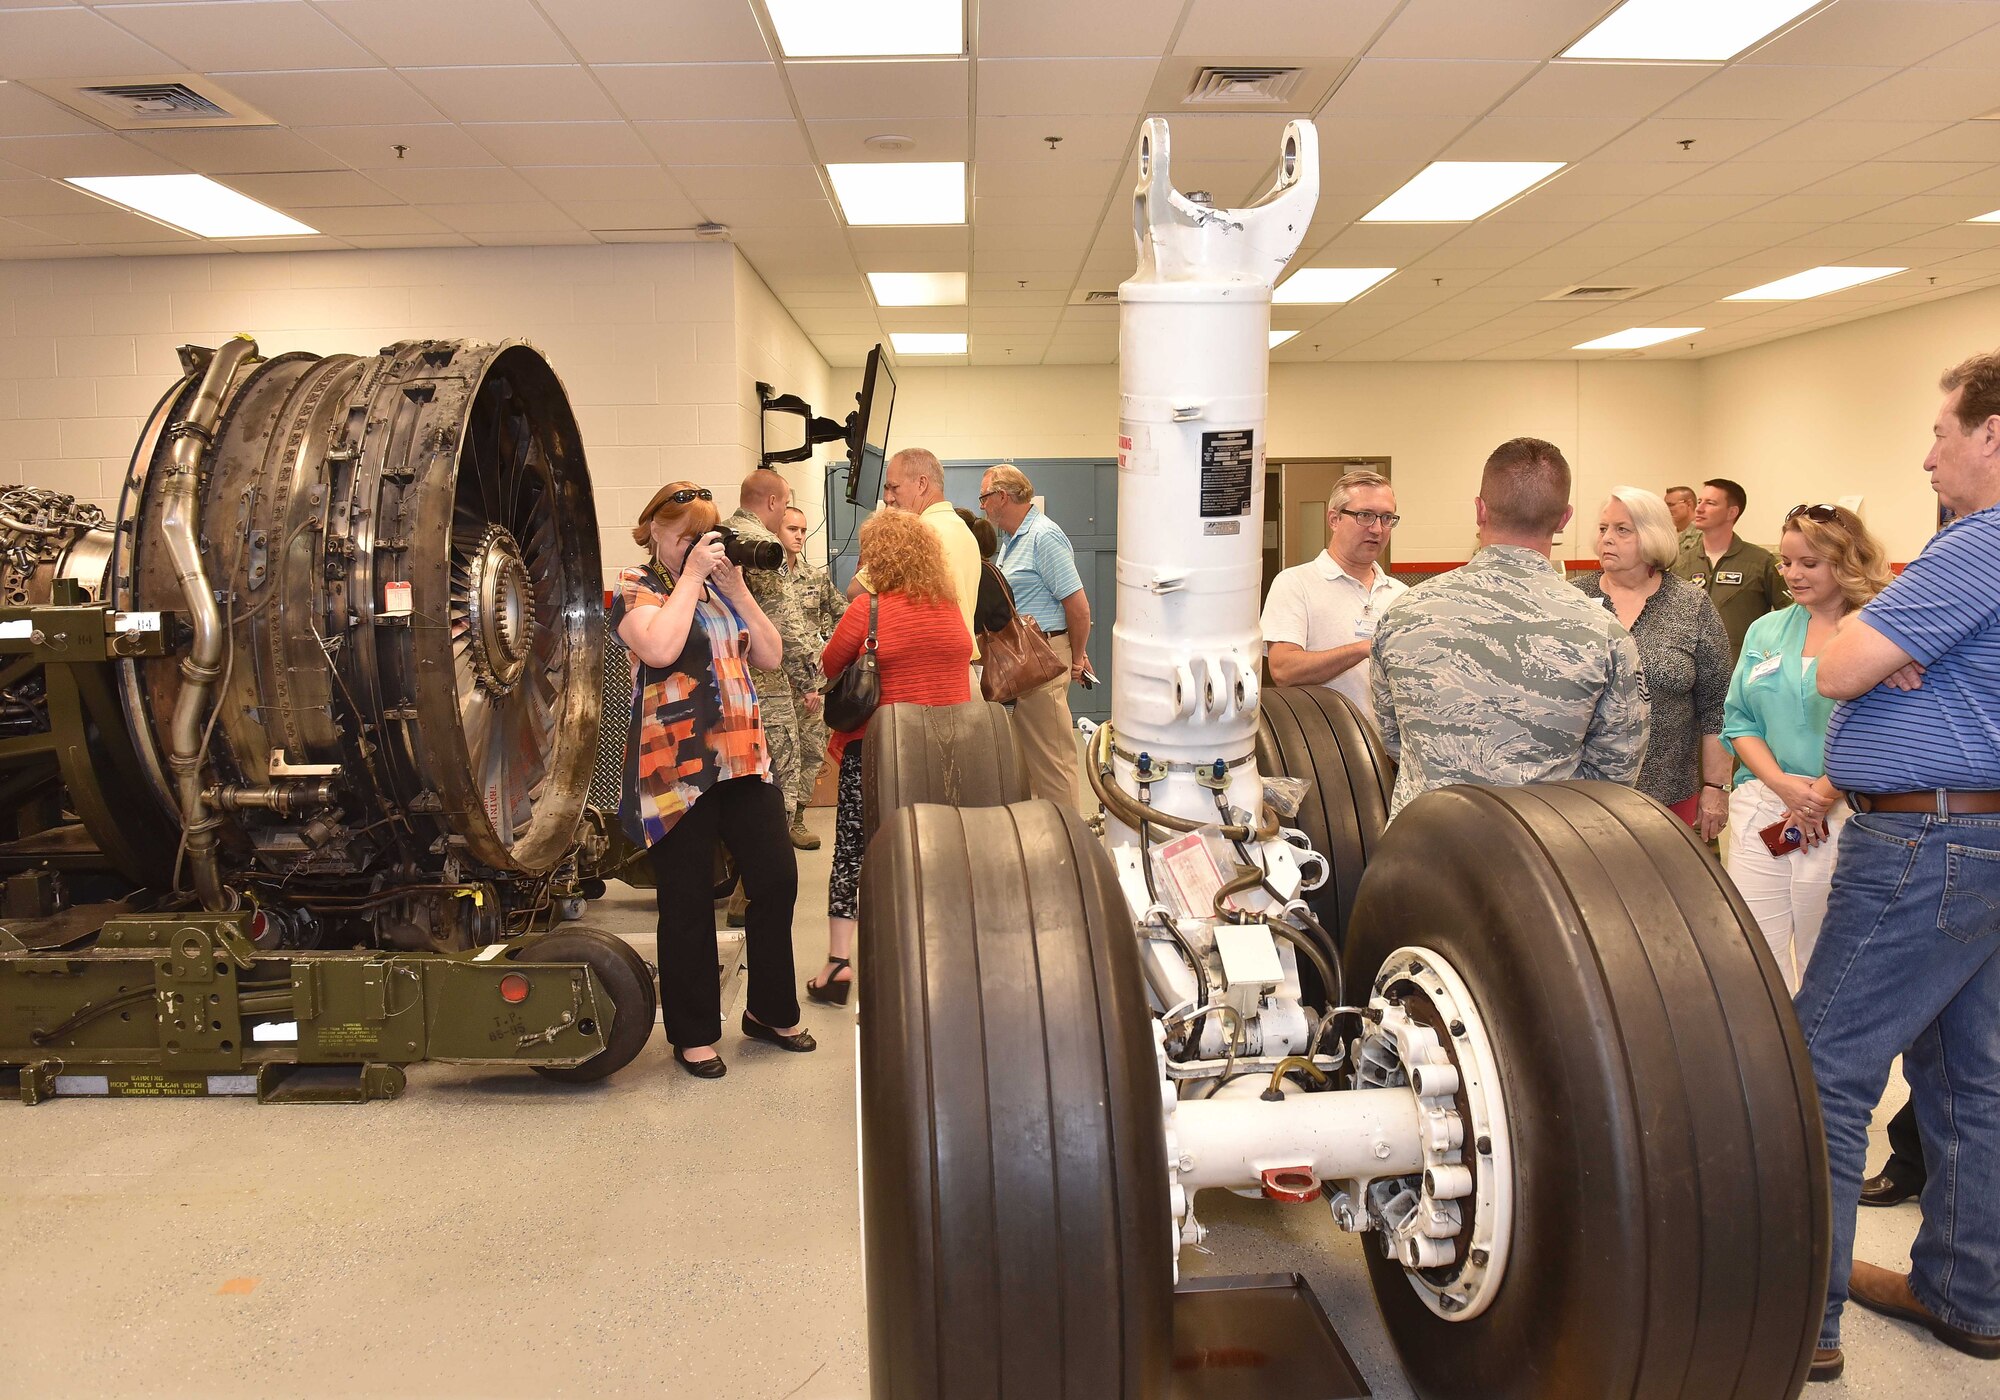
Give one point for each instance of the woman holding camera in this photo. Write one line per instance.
(923, 656)
(1785, 815)
(697, 770)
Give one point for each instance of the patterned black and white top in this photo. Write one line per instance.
(1685, 655)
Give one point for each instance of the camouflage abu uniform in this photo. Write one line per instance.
(1501, 672)
(820, 606)
(798, 671)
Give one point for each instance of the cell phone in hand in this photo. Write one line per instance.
(1782, 837)
(1088, 679)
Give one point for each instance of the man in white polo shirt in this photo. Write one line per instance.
(1319, 617)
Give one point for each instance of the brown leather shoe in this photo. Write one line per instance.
(1886, 1189)
(1827, 1364)
(1879, 1290)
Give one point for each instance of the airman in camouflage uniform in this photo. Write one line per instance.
(765, 495)
(820, 605)
(1501, 672)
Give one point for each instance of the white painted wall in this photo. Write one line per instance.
(658, 345)
(1842, 411)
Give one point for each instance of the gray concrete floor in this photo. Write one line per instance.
(494, 1235)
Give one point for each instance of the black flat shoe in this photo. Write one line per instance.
(798, 1044)
(1887, 1190)
(833, 991)
(712, 1068)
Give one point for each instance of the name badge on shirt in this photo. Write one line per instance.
(1364, 625)
(1766, 667)
(1730, 576)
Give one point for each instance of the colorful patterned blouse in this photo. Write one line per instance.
(695, 723)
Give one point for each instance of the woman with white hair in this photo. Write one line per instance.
(1683, 652)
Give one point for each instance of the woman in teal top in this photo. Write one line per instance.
(1775, 721)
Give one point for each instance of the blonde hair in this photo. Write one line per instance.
(902, 555)
(1860, 565)
(1653, 523)
(1010, 481)
(1344, 489)
(698, 511)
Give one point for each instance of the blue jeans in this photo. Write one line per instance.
(1908, 963)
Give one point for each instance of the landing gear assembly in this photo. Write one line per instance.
(1526, 1041)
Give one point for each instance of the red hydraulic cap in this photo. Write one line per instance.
(1295, 1185)
(514, 988)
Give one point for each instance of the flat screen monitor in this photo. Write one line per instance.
(868, 437)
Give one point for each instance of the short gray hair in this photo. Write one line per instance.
(923, 462)
(1344, 489)
(1659, 542)
(1010, 481)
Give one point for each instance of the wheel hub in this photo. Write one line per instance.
(501, 606)
(1450, 1224)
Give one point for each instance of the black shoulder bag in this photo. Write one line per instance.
(857, 690)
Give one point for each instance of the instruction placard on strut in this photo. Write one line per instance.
(1226, 460)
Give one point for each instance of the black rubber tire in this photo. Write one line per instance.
(1017, 1228)
(953, 755)
(1671, 1217)
(1310, 732)
(624, 974)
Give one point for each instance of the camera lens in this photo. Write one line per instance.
(751, 554)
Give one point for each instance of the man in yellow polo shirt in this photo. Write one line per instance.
(914, 481)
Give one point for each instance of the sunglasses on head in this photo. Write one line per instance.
(1825, 515)
(692, 493)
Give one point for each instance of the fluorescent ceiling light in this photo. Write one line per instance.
(193, 203)
(928, 342)
(1327, 286)
(1638, 338)
(1280, 337)
(1458, 191)
(1993, 218)
(868, 28)
(918, 288)
(901, 192)
(1685, 30)
(1815, 282)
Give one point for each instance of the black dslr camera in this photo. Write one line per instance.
(748, 553)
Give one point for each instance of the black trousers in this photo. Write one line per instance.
(1906, 1149)
(748, 816)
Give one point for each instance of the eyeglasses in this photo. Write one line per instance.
(693, 493)
(996, 491)
(1372, 517)
(1825, 515)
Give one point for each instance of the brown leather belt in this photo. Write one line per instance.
(1957, 804)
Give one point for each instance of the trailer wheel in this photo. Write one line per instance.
(955, 755)
(1308, 731)
(1019, 1242)
(1670, 1217)
(623, 974)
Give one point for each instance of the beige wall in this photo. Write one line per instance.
(659, 347)
(1839, 412)
(1618, 423)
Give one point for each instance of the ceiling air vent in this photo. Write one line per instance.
(1587, 291)
(164, 102)
(1242, 87)
(1100, 298)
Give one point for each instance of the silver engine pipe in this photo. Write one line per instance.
(180, 529)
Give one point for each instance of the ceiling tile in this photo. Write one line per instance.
(537, 216)
(1602, 89)
(1675, 207)
(1031, 238)
(373, 220)
(439, 33)
(25, 112)
(106, 226)
(1086, 138)
(72, 43)
(1603, 175)
(707, 92)
(1897, 32)
(914, 88)
(490, 185)
(335, 97)
(554, 93)
(1660, 139)
(1063, 29)
(702, 182)
(1411, 141)
(85, 155)
(660, 212)
(911, 249)
(314, 190)
(1381, 87)
(1228, 28)
(1453, 29)
(1839, 140)
(617, 31)
(727, 143)
(234, 149)
(1981, 50)
(1924, 94)
(1813, 208)
(1760, 177)
(1078, 213)
(430, 146)
(936, 139)
(1536, 138)
(1253, 136)
(743, 214)
(236, 37)
(408, 240)
(44, 196)
(1967, 141)
(605, 182)
(562, 143)
(1035, 87)
(1774, 91)
(1890, 178)
(1033, 178)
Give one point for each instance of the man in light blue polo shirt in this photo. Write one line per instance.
(1908, 960)
(1040, 566)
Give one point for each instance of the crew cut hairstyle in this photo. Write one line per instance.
(1653, 523)
(1980, 378)
(1526, 486)
(1010, 480)
(1344, 489)
(1859, 563)
(1738, 497)
(762, 484)
(923, 462)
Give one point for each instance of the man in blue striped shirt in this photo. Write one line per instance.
(1909, 956)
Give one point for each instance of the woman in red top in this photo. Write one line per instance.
(924, 656)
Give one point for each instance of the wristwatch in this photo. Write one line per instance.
(1724, 788)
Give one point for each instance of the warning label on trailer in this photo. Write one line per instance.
(1226, 462)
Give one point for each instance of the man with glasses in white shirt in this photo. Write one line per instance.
(1319, 617)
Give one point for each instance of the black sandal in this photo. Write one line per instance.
(798, 1044)
(833, 991)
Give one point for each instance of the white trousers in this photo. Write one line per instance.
(1786, 894)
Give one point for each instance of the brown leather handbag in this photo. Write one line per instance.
(1018, 657)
